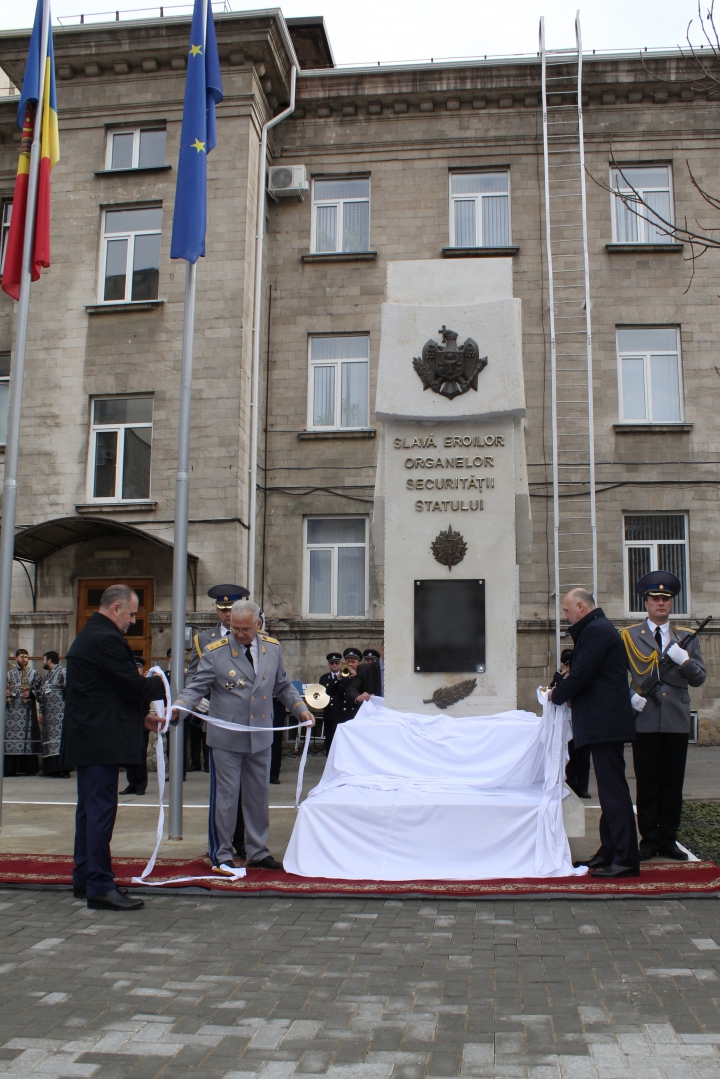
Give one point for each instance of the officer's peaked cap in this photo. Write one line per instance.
(659, 583)
(226, 594)
(352, 653)
(333, 656)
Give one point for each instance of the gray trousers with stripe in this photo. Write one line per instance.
(231, 774)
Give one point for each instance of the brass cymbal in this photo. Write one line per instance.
(315, 697)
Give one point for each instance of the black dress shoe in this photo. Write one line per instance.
(194, 768)
(274, 780)
(615, 870)
(80, 892)
(130, 789)
(671, 850)
(114, 900)
(647, 850)
(596, 862)
(266, 863)
(583, 794)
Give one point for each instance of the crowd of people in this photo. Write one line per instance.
(34, 717)
(630, 687)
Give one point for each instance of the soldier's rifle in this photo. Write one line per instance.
(651, 684)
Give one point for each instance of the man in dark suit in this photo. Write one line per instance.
(105, 705)
(339, 708)
(602, 717)
(370, 677)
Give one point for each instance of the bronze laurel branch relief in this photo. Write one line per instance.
(446, 696)
(450, 369)
(449, 548)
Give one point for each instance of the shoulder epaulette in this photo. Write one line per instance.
(684, 629)
(634, 625)
(216, 644)
(196, 642)
(264, 637)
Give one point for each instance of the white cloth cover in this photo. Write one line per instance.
(413, 797)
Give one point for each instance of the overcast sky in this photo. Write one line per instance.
(402, 30)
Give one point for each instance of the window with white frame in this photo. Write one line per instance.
(338, 396)
(646, 199)
(4, 391)
(120, 442)
(131, 254)
(6, 206)
(336, 553)
(135, 148)
(480, 209)
(650, 374)
(652, 542)
(341, 215)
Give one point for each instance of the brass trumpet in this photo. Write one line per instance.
(345, 671)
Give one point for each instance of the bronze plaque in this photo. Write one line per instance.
(450, 626)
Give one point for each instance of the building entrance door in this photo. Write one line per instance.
(138, 636)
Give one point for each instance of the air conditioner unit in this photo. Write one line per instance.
(286, 180)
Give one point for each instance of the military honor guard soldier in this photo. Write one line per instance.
(340, 709)
(662, 725)
(224, 595)
(353, 658)
(242, 672)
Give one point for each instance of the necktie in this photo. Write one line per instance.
(658, 639)
(248, 653)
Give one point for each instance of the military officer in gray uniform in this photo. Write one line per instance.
(242, 672)
(660, 750)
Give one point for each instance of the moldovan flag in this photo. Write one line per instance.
(28, 115)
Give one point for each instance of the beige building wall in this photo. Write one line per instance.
(408, 128)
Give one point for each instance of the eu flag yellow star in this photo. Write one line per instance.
(197, 145)
(195, 50)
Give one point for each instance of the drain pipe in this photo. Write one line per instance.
(257, 326)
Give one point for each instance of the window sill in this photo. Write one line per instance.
(636, 249)
(478, 252)
(340, 256)
(88, 508)
(124, 172)
(322, 436)
(122, 308)
(652, 428)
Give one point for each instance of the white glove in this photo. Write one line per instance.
(677, 654)
(638, 702)
(204, 706)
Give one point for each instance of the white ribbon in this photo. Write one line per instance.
(163, 710)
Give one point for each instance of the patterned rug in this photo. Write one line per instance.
(657, 879)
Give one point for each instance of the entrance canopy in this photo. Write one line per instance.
(35, 543)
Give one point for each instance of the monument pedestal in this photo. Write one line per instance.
(452, 498)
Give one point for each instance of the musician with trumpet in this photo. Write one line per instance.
(336, 681)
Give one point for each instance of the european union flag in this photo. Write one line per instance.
(203, 90)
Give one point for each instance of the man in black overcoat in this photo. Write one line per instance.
(602, 717)
(105, 706)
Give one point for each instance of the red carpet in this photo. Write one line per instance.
(657, 879)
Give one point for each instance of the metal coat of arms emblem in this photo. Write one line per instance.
(450, 369)
(448, 548)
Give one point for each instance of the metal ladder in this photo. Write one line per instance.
(573, 452)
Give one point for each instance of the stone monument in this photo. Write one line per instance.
(451, 511)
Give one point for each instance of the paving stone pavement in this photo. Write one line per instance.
(354, 989)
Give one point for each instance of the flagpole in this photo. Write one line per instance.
(17, 374)
(180, 542)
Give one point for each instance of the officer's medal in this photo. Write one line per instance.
(240, 684)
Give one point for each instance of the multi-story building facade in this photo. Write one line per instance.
(432, 161)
